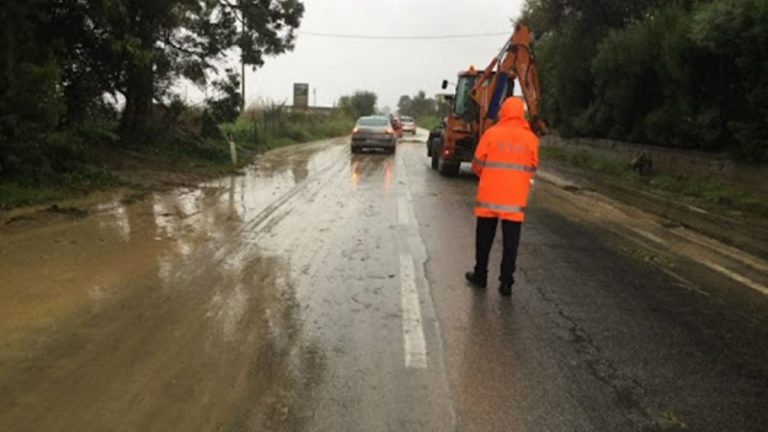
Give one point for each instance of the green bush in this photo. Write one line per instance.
(272, 125)
(428, 122)
(687, 74)
(735, 33)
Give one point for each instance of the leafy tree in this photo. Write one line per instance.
(735, 34)
(83, 43)
(418, 106)
(30, 95)
(584, 15)
(637, 96)
(160, 40)
(689, 73)
(60, 61)
(361, 103)
(569, 32)
(404, 104)
(225, 107)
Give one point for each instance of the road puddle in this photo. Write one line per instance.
(162, 314)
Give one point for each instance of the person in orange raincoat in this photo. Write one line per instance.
(506, 159)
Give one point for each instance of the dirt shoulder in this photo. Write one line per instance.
(747, 231)
(140, 171)
(135, 176)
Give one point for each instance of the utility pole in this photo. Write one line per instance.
(242, 83)
(242, 58)
(314, 96)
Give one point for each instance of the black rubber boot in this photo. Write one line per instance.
(476, 280)
(505, 288)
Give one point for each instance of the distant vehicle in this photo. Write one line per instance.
(397, 125)
(374, 132)
(409, 124)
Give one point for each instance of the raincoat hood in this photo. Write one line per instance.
(512, 108)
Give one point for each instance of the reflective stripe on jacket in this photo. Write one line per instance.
(505, 160)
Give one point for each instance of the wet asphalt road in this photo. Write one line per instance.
(323, 291)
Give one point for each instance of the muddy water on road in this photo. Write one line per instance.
(263, 301)
(149, 316)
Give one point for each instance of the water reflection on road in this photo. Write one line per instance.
(164, 314)
(263, 301)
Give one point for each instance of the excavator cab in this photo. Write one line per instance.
(478, 104)
(462, 103)
(478, 98)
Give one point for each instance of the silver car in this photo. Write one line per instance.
(409, 124)
(373, 132)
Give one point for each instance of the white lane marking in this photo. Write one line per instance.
(722, 249)
(647, 235)
(554, 179)
(402, 211)
(413, 334)
(717, 267)
(737, 277)
(685, 283)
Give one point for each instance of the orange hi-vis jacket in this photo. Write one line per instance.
(505, 160)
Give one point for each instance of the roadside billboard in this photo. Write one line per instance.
(300, 95)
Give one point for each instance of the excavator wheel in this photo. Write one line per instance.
(435, 152)
(448, 169)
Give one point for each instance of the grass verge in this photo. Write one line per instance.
(273, 126)
(19, 193)
(174, 151)
(428, 122)
(705, 192)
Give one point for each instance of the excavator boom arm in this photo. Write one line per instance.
(515, 61)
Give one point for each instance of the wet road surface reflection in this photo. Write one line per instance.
(160, 315)
(274, 300)
(220, 307)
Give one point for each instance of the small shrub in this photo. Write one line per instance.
(273, 125)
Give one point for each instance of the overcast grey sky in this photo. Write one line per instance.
(335, 67)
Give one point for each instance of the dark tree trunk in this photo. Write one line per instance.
(140, 89)
(6, 47)
(138, 98)
(77, 99)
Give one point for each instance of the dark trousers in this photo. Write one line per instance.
(486, 231)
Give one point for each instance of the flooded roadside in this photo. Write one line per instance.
(158, 314)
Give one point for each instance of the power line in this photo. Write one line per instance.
(388, 37)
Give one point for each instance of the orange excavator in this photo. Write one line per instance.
(478, 97)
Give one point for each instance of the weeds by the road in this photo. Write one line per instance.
(706, 191)
(181, 141)
(428, 122)
(272, 126)
(16, 194)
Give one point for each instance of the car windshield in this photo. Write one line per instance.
(373, 121)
